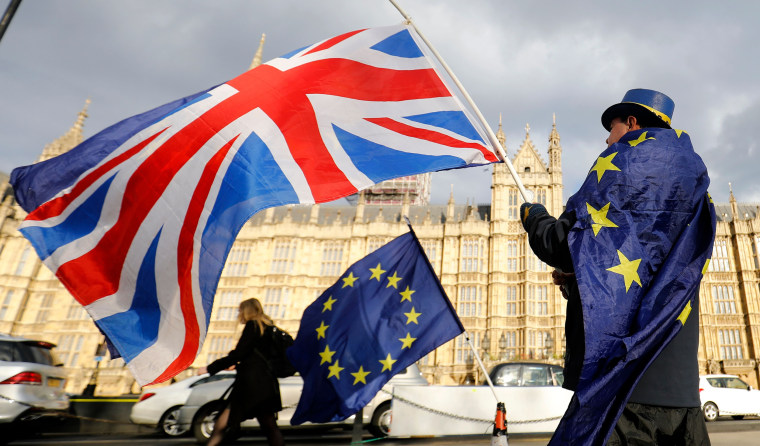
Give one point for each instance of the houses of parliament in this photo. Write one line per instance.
(287, 256)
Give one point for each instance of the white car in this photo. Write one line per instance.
(160, 407)
(202, 406)
(727, 395)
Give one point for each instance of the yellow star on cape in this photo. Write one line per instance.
(710, 197)
(326, 355)
(603, 164)
(376, 273)
(321, 330)
(349, 281)
(335, 370)
(406, 294)
(639, 140)
(704, 268)
(328, 304)
(407, 341)
(360, 376)
(600, 218)
(679, 132)
(628, 269)
(412, 317)
(387, 363)
(393, 280)
(685, 313)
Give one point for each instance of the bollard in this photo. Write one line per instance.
(499, 437)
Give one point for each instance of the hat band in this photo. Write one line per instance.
(659, 114)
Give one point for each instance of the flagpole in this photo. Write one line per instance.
(482, 367)
(491, 136)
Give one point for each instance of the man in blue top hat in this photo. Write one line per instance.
(630, 251)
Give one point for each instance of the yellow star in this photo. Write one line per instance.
(685, 313)
(387, 363)
(412, 317)
(326, 355)
(600, 218)
(603, 164)
(679, 132)
(328, 304)
(321, 330)
(393, 280)
(406, 294)
(377, 272)
(639, 140)
(628, 269)
(710, 197)
(335, 370)
(349, 281)
(360, 376)
(407, 341)
(704, 268)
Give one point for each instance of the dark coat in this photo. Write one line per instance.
(255, 390)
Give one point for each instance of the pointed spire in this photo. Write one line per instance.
(450, 207)
(732, 200)
(69, 139)
(555, 148)
(314, 214)
(501, 136)
(259, 52)
(359, 217)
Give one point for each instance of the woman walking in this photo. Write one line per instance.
(255, 392)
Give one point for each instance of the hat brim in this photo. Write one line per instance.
(625, 109)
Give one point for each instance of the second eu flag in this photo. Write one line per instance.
(387, 311)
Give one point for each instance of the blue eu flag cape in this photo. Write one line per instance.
(644, 234)
(385, 312)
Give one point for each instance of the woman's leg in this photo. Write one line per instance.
(219, 428)
(268, 424)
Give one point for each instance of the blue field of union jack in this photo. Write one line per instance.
(137, 221)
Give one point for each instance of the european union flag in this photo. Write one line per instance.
(387, 311)
(644, 234)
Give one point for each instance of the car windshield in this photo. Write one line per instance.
(25, 352)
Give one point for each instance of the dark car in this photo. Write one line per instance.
(526, 374)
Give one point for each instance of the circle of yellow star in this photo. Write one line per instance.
(335, 370)
(603, 164)
(322, 329)
(393, 280)
(412, 317)
(407, 341)
(600, 218)
(326, 355)
(376, 273)
(349, 281)
(628, 269)
(360, 376)
(387, 363)
(685, 313)
(639, 140)
(406, 294)
(328, 304)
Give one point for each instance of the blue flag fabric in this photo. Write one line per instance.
(644, 234)
(387, 311)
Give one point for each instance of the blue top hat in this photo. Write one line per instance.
(641, 101)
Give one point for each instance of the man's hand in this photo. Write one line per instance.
(531, 209)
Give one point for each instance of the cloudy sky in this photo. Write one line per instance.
(523, 59)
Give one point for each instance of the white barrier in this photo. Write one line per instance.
(465, 410)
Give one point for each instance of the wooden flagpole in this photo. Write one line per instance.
(491, 136)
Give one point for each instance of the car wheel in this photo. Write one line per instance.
(737, 417)
(380, 426)
(169, 423)
(203, 422)
(710, 411)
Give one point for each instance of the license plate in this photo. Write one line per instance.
(54, 382)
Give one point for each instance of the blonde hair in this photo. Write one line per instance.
(251, 310)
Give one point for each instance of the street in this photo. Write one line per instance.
(724, 432)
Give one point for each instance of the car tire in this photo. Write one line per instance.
(203, 422)
(169, 423)
(710, 411)
(381, 420)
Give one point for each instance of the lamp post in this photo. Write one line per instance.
(548, 345)
(503, 345)
(485, 345)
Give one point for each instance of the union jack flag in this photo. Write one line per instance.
(138, 220)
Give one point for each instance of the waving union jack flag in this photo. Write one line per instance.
(138, 220)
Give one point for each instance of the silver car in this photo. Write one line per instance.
(31, 386)
(203, 404)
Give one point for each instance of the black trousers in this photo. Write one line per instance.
(642, 424)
